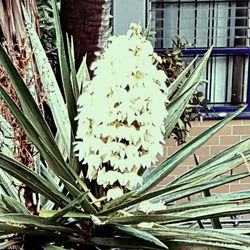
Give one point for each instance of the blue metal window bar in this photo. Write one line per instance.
(223, 23)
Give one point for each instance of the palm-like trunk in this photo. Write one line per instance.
(12, 22)
(89, 23)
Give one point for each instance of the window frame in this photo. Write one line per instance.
(219, 112)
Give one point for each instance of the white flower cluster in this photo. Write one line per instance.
(121, 113)
(147, 206)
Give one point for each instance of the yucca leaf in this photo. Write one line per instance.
(82, 75)
(166, 167)
(7, 182)
(196, 74)
(177, 83)
(34, 221)
(41, 136)
(57, 165)
(8, 228)
(69, 207)
(51, 177)
(52, 247)
(205, 244)
(223, 167)
(114, 242)
(215, 221)
(54, 97)
(168, 195)
(64, 69)
(54, 180)
(206, 212)
(219, 168)
(189, 215)
(3, 210)
(210, 236)
(28, 104)
(33, 123)
(87, 206)
(175, 110)
(225, 198)
(7, 244)
(213, 161)
(32, 180)
(209, 171)
(140, 234)
(235, 231)
(181, 99)
(75, 87)
(7, 148)
(50, 213)
(119, 202)
(13, 205)
(6, 141)
(187, 191)
(70, 49)
(157, 218)
(84, 186)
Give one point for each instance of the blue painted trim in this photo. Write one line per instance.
(248, 85)
(215, 51)
(219, 116)
(218, 113)
(200, 1)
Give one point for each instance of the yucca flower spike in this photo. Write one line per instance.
(121, 113)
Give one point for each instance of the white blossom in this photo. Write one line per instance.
(121, 113)
(146, 225)
(147, 206)
(114, 193)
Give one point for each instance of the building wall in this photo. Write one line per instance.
(233, 132)
(126, 12)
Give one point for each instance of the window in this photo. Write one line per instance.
(224, 24)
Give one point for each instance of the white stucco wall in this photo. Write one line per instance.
(127, 11)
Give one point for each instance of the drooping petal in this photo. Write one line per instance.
(114, 193)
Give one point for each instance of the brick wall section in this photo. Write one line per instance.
(233, 132)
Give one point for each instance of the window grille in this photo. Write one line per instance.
(220, 76)
(224, 24)
(204, 23)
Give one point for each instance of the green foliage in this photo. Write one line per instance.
(71, 217)
(177, 71)
(47, 30)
